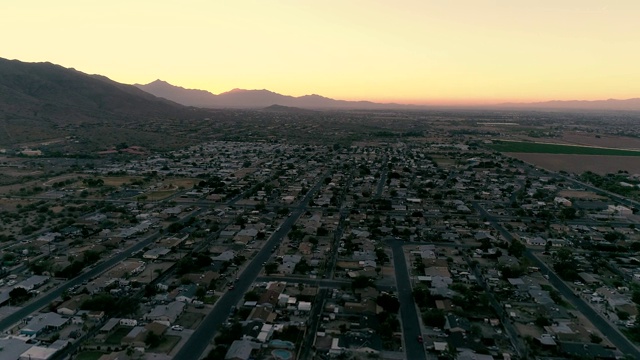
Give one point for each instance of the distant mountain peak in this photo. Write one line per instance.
(255, 98)
(287, 109)
(160, 81)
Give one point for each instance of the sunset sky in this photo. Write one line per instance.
(422, 51)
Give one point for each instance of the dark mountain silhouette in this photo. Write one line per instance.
(188, 97)
(51, 92)
(256, 99)
(75, 113)
(288, 109)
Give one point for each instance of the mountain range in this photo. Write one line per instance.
(43, 102)
(256, 99)
(45, 91)
(240, 98)
(53, 93)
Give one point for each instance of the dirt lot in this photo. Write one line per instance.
(56, 179)
(444, 162)
(118, 180)
(528, 330)
(190, 320)
(618, 142)
(152, 269)
(584, 139)
(8, 204)
(581, 163)
(582, 195)
(159, 195)
(186, 183)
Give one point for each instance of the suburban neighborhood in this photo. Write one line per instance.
(265, 250)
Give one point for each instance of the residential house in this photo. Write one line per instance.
(156, 253)
(241, 350)
(135, 337)
(262, 313)
(456, 323)
(588, 351)
(12, 348)
(169, 312)
(32, 282)
(38, 353)
(43, 322)
(71, 306)
(360, 342)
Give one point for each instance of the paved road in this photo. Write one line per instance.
(198, 342)
(597, 190)
(614, 336)
(47, 298)
(516, 341)
(326, 283)
(383, 178)
(101, 267)
(321, 283)
(410, 323)
(312, 324)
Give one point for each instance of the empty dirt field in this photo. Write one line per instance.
(119, 180)
(586, 139)
(608, 141)
(578, 164)
(582, 195)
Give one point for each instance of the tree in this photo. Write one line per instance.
(18, 295)
(201, 292)
(229, 335)
(361, 282)
(614, 236)
(150, 290)
(388, 303)
(434, 318)
(568, 213)
(542, 321)
(381, 256)
(302, 267)
(152, 340)
(251, 296)
(422, 297)
(623, 315)
(270, 268)
(216, 353)
(516, 248)
(91, 257)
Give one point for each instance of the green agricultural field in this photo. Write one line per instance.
(529, 147)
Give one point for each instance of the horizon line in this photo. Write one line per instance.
(414, 102)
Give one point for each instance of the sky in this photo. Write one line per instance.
(405, 51)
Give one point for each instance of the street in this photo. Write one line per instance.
(614, 336)
(202, 336)
(410, 323)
